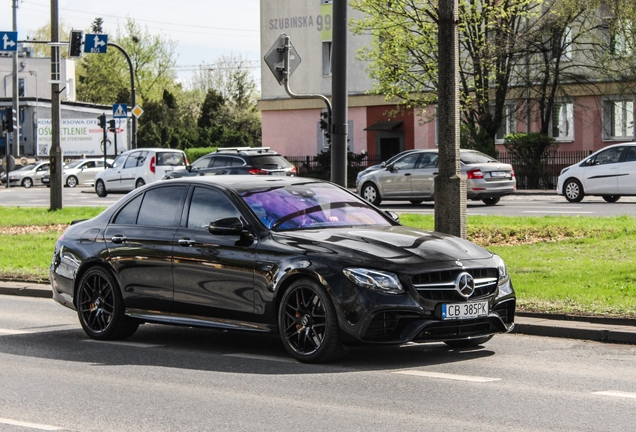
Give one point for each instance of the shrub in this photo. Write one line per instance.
(529, 153)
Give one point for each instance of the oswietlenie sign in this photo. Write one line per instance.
(80, 137)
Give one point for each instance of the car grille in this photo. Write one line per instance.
(440, 285)
(506, 311)
(385, 325)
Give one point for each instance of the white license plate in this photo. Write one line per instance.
(499, 174)
(278, 173)
(451, 311)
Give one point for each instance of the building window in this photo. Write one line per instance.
(326, 58)
(508, 123)
(22, 87)
(562, 43)
(562, 122)
(618, 37)
(618, 119)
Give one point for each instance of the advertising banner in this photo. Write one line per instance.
(82, 137)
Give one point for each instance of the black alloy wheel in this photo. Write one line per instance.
(611, 198)
(139, 183)
(491, 201)
(100, 189)
(468, 343)
(308, 324)
(71, 181)
(371, 193)
(100, 307)
(573, 190)
(27, 183)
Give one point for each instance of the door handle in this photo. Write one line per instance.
(119, 239)
(407, 174)
(186, 242)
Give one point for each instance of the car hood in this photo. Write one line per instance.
(397, 244)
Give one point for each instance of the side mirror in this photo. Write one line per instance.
(188, 168)
(108, 165)
(227, 226)
(393, 215)
(383, 164)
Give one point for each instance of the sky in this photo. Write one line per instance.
(205, 30)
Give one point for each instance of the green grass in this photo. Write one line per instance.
(577, 265)
(20, 216)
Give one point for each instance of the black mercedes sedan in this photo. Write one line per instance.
(301, 257)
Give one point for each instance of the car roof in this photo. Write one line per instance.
(245, 151)
(155, 149)
(242, 182)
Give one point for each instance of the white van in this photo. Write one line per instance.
(135, 168)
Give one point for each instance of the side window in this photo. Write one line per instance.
(428, 160)
(234, 161)
(90, 164)
(219, 161)
(631, 155)
(609, 156)
(160, 206)
(201, 163)
(208, 205)
(407, 162)
(128, 215)
(99, 163)
(132, 160)
(119, 161)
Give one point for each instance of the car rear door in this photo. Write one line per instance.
(132, 170)
(627, 173)
(423, 177)
(140, 243)
(213, 274)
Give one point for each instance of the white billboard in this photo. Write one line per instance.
(81, 137)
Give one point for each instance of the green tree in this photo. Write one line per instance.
(403, 55)
(103, 78)
(44, 34)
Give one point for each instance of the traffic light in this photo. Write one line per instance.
(10, 119)
(102, 121)
(111, 126)
(75, 43)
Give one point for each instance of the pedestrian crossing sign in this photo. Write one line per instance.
(120, 111)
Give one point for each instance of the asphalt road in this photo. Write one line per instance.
(172, 378)
(522, 204)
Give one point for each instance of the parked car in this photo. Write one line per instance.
(238, 160)
(411, 178)
(383, 164)
(297, 256)
(135, 168)
(80, 171)
(609, 173)
(27, 176)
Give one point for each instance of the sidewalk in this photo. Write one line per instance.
(599, 329)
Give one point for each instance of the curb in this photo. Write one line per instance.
(600, 329)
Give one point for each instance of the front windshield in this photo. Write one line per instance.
(310, 205)
(28, 167)
(74, 164)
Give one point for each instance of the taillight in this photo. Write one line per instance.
(152, 165)
(293, 171)
(257, 171)
(475, 174)
(512, 170)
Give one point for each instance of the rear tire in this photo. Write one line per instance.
(100, 307)
(308, 323)
(468, 343)
(139, 183)
(491, 201)
(573, 190)
(371, 193)
(611, 198)
(100, 189)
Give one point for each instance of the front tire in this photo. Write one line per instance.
(100, 307)
(100, 189)
(491, 201)
(371, 193)
(611, 198)
(573, 190)
(308, 324)
(468, 343)
(71, 181)
(27, 183)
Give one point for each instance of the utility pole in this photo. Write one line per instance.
(55, 153)
(450, 184)
(15, 148)
(339, 94)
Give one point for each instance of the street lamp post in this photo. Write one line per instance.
(133, 102)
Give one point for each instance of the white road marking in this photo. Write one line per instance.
(447, 376)
(261, 357)
(14, 332)
(46, 329)
(128, 344)
(616, 394)
(29, 425)
(559, 212)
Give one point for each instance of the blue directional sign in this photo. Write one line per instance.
(120, 111)
(96, 43)
(8, 41)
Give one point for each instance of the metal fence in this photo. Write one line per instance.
(543, 177)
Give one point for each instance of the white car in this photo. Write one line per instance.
(609, 173)
(135, 168)
(82, 171)
(27, 176)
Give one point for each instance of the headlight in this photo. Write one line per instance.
(505, 288)
(381, 281)
(564, 170)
